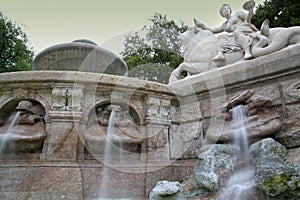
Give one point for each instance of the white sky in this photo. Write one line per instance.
(104, 21)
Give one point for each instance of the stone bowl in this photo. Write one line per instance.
(80, 55)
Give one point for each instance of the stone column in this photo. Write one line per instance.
(61, 142)
(156, 129)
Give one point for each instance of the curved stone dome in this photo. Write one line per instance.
(80, 55)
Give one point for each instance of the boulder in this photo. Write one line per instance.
(165, 190)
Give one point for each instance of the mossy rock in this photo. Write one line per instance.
(279, 180)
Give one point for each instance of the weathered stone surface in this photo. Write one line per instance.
(164, 189)
(41, 183)
(291, 90)
(289, 136)
(267, 151)
(260, 120)
(279, 180)
(214, 163)
(121, 184)
(176, 171)
(272, 175)
(185, 140)
(207, 181)
(186, 112)
(294, 155)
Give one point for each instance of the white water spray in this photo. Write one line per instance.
(240, 131)
(241, 182)
(6, 136)
(107, 158)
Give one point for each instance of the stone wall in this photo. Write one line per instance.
(65, 167)
(174, 121)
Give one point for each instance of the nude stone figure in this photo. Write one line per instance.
(238, 31)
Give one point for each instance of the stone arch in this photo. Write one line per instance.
(106, 100)
(15, 98)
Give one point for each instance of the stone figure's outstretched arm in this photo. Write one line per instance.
(203, 26)
(249, 6)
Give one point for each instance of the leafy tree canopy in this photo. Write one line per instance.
(281, 13)
(15, 53)
(151, 72)
(159, 45)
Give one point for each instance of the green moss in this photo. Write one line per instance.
(277, 184)
(277, 150)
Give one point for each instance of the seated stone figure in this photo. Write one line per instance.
(204, 51)
(238, 31)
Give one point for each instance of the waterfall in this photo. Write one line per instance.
(239, 129)
(6, 136)
(241, 183)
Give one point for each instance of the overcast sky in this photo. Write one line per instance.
(105, 22)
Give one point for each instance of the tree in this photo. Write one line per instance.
(160, 45)
(151, 72)
(15, 52)
(281, 13)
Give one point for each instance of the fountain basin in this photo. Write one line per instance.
(126, 137)
(80, 55)
(24, 138)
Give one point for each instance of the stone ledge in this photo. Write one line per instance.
(91, 80)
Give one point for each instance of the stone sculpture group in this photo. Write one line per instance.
(237, 39)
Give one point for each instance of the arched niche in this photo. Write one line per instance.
(125, 130)
(22, 127)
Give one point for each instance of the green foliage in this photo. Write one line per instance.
(151, 72)
(15, 53)
(160, 44)
(281, 13)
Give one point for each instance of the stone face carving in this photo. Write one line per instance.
(260, 123)
(28, 133)
(123, 135)
(204, 51)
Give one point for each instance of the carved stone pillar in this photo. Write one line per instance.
(64, 118)
(157, 124)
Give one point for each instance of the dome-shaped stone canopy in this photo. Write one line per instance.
(80, 55)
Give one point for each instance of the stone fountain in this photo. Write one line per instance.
(170, 134)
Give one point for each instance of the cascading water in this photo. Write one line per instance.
(240, 132)
(5, 138)
(107, 158)
(241, 182)
(113, 154)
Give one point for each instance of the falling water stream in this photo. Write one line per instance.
(6, 136)
(241, 182)
(107, 158)
(110, 157)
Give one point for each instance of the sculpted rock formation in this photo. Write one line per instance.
(123, 131)
(261, 121)
(28, 131)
